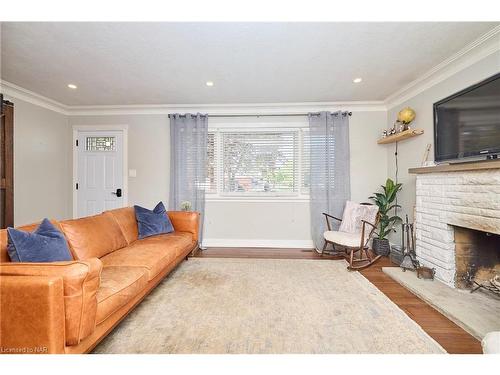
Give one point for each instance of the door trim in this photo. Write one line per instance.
(98, 128)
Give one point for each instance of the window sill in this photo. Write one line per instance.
(258, 199)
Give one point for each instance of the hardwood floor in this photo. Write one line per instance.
(450, 336)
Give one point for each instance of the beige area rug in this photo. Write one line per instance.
(267, 306)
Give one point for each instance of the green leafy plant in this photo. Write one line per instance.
(384, 201)
(185, 205)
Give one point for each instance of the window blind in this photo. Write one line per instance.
(322, 155)
(259, 162)
(211, 183)
(305, 161)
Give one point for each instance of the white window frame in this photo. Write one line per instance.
(220, 196)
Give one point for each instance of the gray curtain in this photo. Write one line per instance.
(188, 158)
(329, 169)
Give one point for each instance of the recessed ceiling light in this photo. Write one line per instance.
(72, 86)
(357, 80)
(209, 83)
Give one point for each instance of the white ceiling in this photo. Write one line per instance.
(169, 63)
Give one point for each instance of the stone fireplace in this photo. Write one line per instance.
(458, 221)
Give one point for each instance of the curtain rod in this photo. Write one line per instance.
(267, 115)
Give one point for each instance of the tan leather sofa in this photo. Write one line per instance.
(68, 307)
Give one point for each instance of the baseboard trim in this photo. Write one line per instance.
(285, 244)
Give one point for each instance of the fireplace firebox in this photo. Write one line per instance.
(477, 256)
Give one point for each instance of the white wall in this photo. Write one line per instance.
(43, 180)
(257, 224)
(263, 222)
(42, 169)
(368, 169)
(148, 153)
(410, 151)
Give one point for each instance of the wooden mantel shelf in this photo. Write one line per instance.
(400, 136)
(470, 166)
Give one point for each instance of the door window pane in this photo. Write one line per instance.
(101, 144)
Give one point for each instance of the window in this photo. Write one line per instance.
(259, 162)
(100, 144)
(262, 162)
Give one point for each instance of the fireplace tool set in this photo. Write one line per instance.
(410, 261)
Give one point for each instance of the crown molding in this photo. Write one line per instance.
(14, 91)
(228, 109)
(11, 90)
(479, 49)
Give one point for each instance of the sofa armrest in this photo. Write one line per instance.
(80, 282)
(186, 221)
(32, 314)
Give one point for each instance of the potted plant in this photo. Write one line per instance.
(384, 201)
(185, 206)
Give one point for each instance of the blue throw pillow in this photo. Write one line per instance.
(45, 244)
(151, 223)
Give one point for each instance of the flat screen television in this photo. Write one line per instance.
(467, 124)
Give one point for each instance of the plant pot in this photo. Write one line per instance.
(381, 247)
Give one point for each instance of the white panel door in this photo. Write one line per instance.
(100, 172)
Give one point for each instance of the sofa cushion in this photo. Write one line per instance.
(125, 217)
(93, 236)
(343, 238)
(4, 255)
(119, 285)
(45, 244)
(180, 241)
(152, 223)
(152, 253)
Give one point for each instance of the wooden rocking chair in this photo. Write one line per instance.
(358, 224)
